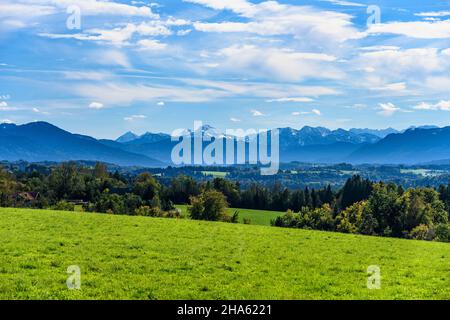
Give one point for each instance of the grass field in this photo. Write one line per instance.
(123, 257)
(257, 217)
(215, 174)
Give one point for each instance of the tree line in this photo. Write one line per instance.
(360, 206)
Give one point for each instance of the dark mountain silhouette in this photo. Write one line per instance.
(419, 145)
(41, 141)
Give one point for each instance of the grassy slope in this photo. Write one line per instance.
(126, 257)
(257, 217)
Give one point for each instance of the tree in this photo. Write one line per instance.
(383, 207)
(100, 171)
(210, 205)
(8, 187)
(182, 188)
(355, 189)
(317, 219)
(421, 232)
(146, 186)
(420, 207)
(443, 232)
(229, 189)
(66, 182)
(110, 203)
(350, 220)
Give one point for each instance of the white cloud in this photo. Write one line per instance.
(387, 109)
(438, 84)
(442, 105)
(239, 6)
(185, 32)
(111, 57)
(283, 64)
(26, 13)
(256, 113)
(119, 36)
(346, 3)
(433, 14)
(36, 110)
(14, 15)
(4, 107)
(400, 86)
(401, 61)
(398, 71)
(151, 45)
(235, 120)
(16, 10)
(125, 93)
(161, 104)
(262, 90)
(96, 105)
(316, 112)
(300, 113)
(273, 18)
(87, 7)
(379, 48)
(292, 99)
(414, 29)
(87, 75)
(446, 52)
(135, 117)
(115, 93)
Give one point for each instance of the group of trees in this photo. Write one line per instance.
(360, 206)
(388, 211)
(95, 189)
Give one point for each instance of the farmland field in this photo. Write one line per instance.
(123, 257)
(215, 174)
(257, 217)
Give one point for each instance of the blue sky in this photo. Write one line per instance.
(158, 66)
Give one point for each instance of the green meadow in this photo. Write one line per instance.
(125, 257)
(215, 174)
(257, 217)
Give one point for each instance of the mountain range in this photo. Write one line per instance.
(41, 141)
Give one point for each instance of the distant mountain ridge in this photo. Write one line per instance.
(41, 141)
(415, 145)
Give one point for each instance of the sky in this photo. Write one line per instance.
(102, 68)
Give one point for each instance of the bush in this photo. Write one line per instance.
(64, 206)
(422, 232)
(307, 218)
(210, 205)
(110, 203)
(350, 220)
(146, 211)
(231, 219)
(175, 213)
(443, 232)
(316, 219)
